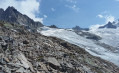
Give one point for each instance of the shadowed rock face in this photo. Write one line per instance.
(77, 28)
(1, 11)
(53, 26)
(13, 16)
(108, 25)
(88, 35)
(41, 54)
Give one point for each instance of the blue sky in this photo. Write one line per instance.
(67, 13)
(84, 13)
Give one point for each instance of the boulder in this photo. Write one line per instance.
(25, 42)
(53, 61)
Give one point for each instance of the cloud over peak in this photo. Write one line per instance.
(108, 18)
(27, 7)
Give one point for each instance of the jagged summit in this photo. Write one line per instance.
(13, 16)
(11, 11)
(109, 25)
(10, 8)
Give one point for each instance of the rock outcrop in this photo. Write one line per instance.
(108, 25)
(13, 16)
(77, 28)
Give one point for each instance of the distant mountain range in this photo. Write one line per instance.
(78, 28)
(13, 16)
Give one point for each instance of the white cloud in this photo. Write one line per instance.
(100, 16)
(45, 16)
(74, 8)
(94, 27)
(73, 5)
(72, 1)
(27, 7)
(109, 18)
(53, 9)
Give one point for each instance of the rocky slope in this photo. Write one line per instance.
(22, 51)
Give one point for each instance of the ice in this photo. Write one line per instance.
(89, 45)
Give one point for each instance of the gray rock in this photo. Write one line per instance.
(20, 70)
(25, 62)
(6, 69)
(53, 61)
(15, 64)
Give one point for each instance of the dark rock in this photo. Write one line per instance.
(9, 40)
(25, 42)
(53, 26)
(77, 28)
(65, 55)
(94, 38)
(13, 16)
(4, 46)
(1, 11)
(108, 25)
(64, 44)
(0, 38)
(89, 35)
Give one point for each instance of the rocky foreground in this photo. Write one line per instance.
(22, 51)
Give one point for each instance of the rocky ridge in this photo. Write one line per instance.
(13, 16)
(22, 51)
(77, 28)
(109, 25)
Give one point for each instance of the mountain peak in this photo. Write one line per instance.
(11, 9)
(13, 16)
(109, 25)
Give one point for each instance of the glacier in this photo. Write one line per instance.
(109, 36)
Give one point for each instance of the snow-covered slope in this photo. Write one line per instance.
(91, 46)
(109, 36)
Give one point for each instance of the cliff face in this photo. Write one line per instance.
(24, 51)
(13, 16)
